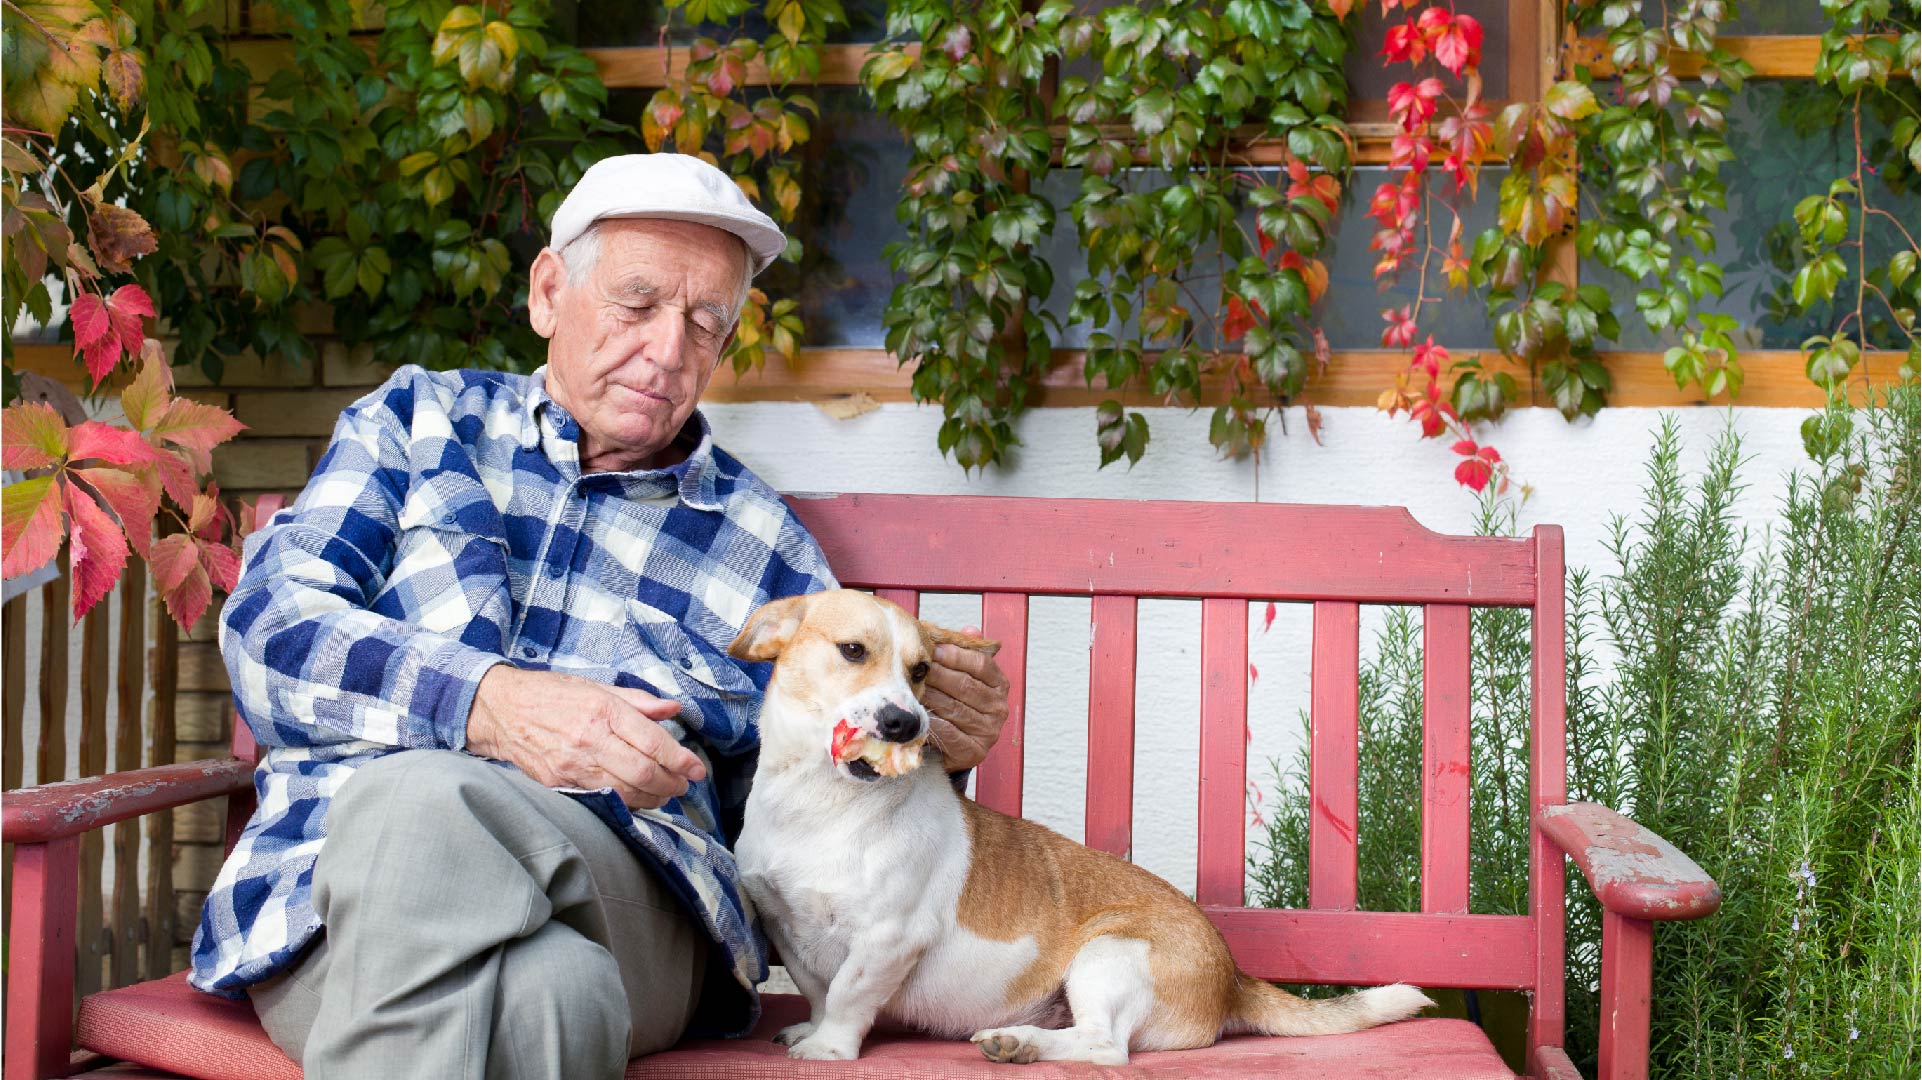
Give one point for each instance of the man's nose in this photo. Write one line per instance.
(666, 341)
(897, 724)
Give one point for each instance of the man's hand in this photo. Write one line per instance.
(566, 731)
(967, 696)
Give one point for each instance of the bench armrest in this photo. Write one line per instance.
(36, 815)
(1634, 872)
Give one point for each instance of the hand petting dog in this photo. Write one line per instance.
(967, 695)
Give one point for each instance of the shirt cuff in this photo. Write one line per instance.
(461, 668)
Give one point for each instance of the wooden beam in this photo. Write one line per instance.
(1777, 56)
(648, 67)
(1777, 378)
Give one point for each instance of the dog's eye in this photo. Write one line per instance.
(854, 652)
(918, 671)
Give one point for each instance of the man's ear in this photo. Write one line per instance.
(941, 635)
(769, 629)
(544, 283)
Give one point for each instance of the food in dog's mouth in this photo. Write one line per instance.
(869, 759)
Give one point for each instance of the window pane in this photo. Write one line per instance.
(1790, 138)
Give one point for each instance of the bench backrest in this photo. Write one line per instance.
(1227, 555)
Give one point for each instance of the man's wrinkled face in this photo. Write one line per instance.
(631, 347)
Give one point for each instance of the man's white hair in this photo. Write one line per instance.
(583, 254)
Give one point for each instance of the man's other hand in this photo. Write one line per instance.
(967, 696)
(566, 731)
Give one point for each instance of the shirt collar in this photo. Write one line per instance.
(693, 478)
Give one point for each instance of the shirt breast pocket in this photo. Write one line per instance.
(450, 563)
(707, 680)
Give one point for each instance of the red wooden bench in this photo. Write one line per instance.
(1225, 555)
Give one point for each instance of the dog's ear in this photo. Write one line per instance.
(941, 635)
(769, 629)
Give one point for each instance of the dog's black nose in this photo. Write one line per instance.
(897, 724)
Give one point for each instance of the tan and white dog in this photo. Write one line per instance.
(895, 895)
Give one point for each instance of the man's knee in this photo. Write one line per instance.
(434, 792)
(560, 1001)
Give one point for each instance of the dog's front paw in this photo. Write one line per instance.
(794, 1033)
(1006, 1045)
(818, 1048)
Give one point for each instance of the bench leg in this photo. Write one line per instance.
(40, 965)
(1626, 960)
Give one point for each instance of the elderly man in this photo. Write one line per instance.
(486, 653)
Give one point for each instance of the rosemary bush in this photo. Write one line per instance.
(1752, 699)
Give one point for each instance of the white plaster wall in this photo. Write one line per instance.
(1583, 474)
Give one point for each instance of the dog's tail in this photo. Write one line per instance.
(1266, 1009)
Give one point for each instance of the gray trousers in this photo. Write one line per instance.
(479, 925)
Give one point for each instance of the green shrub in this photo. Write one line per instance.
(1752, 699)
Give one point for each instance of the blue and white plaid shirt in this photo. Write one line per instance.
(449, 528)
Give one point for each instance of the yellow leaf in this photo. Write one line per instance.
(850, 406)
(503, 36)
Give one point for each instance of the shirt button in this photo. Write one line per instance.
(447, 519)
(553, 570)
(528, 651)
(687, 664)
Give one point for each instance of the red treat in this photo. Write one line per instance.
(847, 741)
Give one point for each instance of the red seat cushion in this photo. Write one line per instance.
(166, 1024)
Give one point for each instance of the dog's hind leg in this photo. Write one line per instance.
(1111, 992)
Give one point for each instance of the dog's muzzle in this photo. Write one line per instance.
(896, 724)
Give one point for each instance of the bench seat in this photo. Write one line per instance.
(166, 1025)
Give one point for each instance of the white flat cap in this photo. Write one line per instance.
(679, 187)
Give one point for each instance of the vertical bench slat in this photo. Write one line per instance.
(1111, 725)
(96, 678)
(909, 599)
(1336, 699)
(1222, 860)
(997, 783)
(1444, 776)
(131, 686)
(160, 827)
(1548, 784)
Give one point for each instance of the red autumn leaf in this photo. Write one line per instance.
(1314, 423)
(1430, 357)
(1432, 21)
(30, 530)
(182, 579)
(114, 445)
(1254, 673)
(177, 476)
(125, 308)
(1267, 243)
(1401, 327)
(1489, 454)
(1239, 319)
(96, 551)
(1474, 473)
(1459, 45)
(1341, 8)
(1268, 617)
(134, 497)
(1407, 151)
(89, 317)
(1404, 43)
(1412, 104)
(1465, 447)
(34, 436)
(221, 564)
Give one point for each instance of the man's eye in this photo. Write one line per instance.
(918, 671)
(854, 652)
